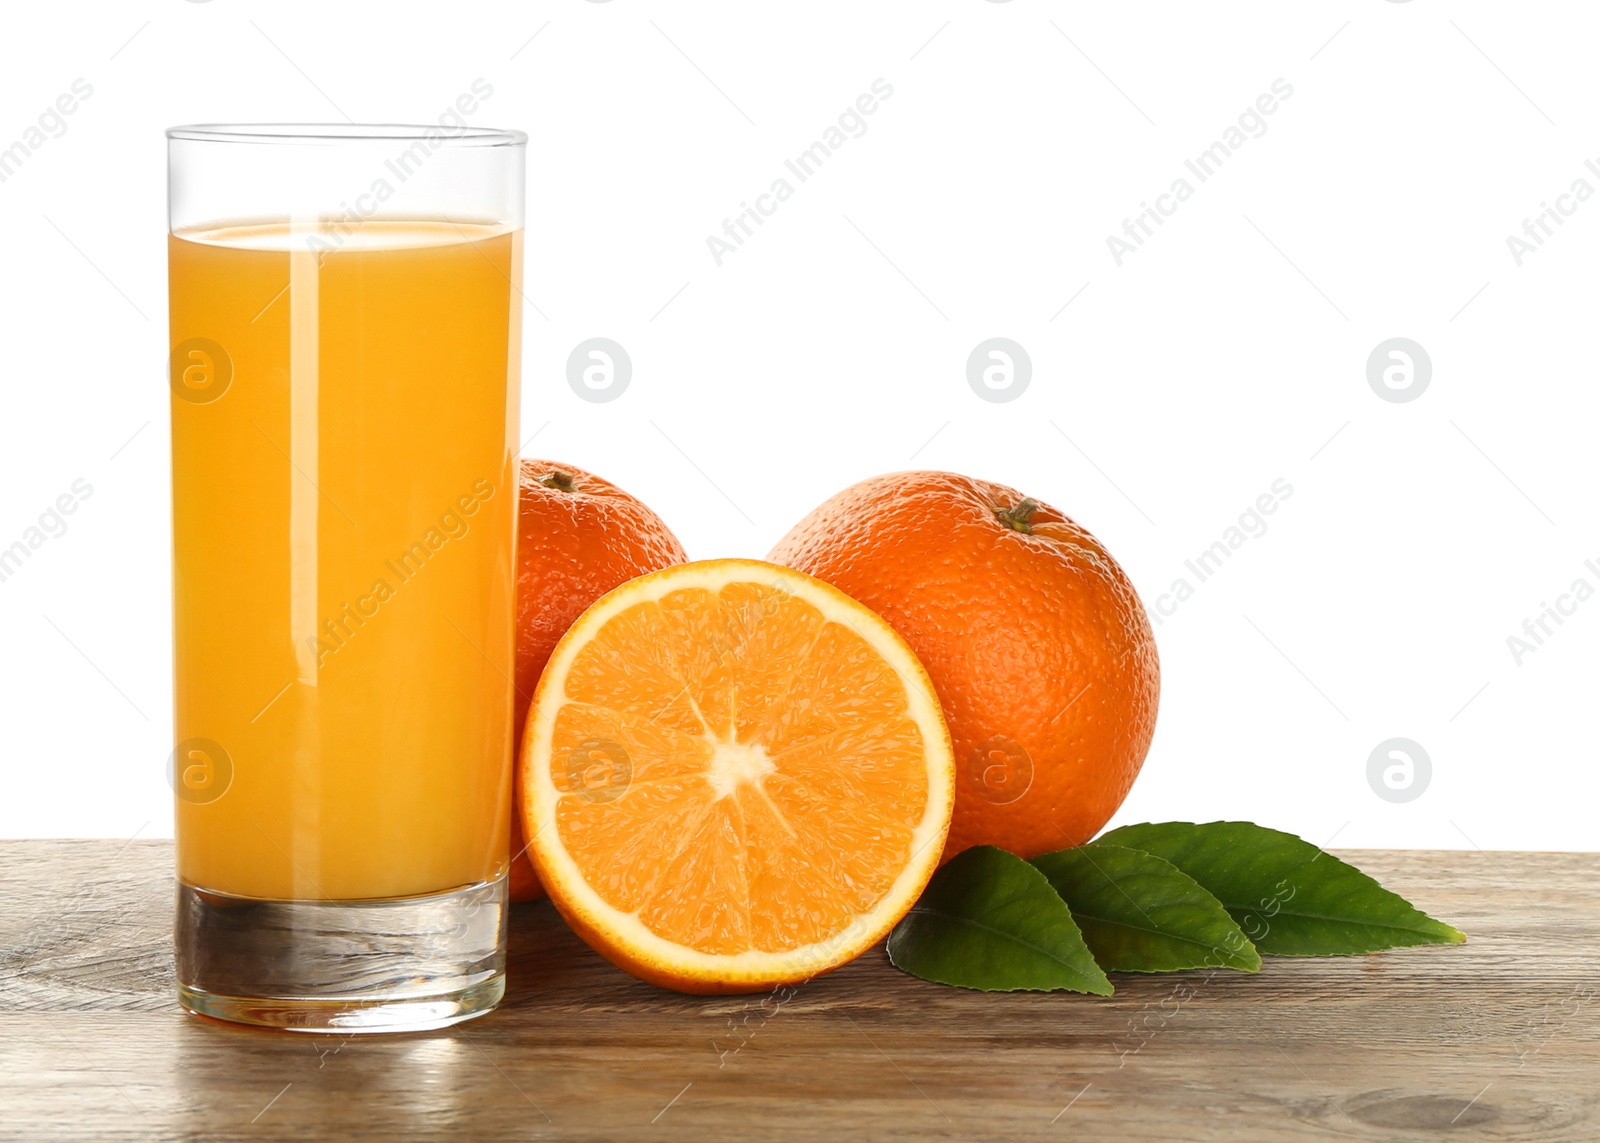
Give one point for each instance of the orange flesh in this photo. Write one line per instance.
(774, 776)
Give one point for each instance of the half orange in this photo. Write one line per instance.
(734, 776)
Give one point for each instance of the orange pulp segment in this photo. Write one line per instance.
(734, 776)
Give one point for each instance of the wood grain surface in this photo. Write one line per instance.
(1497, 1039)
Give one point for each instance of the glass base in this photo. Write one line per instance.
(398, 965)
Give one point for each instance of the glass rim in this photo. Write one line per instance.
(323, 134)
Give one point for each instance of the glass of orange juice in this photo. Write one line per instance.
(345, 339)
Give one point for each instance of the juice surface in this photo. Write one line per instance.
(344, 522)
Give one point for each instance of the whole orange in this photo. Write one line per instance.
(578, 536)
(1037, 644)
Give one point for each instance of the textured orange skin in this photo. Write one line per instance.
(572, 548)
(1034, 638)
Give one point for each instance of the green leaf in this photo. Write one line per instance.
(1288, 896)
(989, 920)
(1141, 913)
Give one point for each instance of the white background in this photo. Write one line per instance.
(1228, 352)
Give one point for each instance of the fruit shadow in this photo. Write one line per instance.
(548, 965)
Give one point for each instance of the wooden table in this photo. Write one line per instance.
(1499, 1039)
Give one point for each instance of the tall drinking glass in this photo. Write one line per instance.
(345, 325)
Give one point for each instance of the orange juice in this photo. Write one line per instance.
(344, 507)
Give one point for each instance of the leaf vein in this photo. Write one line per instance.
(1012, 937)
